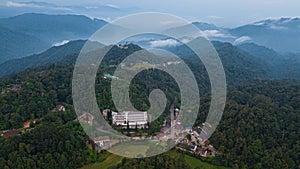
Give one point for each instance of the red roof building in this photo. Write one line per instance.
(10, 133)
(34, 120)
(159, 134)
(26, 124)
(60, 108)
(206, 142)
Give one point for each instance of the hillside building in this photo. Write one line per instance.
(131, 119)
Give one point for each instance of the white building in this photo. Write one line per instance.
(134, 119)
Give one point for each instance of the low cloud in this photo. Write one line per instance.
(61, 43)
(215, 34)
(21, 5)
(164, 43)
(185, 40)
(36, 5)
(242, 39)
(278, 27)
(259, 23)
(113, 6)
(62, 8)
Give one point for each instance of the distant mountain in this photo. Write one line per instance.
(290, 67)
(282, 35)
(282, 65)
(214, 33)
(242, 62)
(13, 8)
(210, 31)
(205, 26)
(53, 28)
(52, 55)
(15, 44)
(238, 64)
(266, 54)
(42, 31)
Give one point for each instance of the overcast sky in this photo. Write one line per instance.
(226, 13)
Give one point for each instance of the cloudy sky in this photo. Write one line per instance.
(229, 13)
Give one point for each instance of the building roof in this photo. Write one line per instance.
(26, 124)
(206, 142)
(16, 87)
(133, 118)
(197, 130)
(159, 134)
(110, 76)
(201, 151)
(101, 138)
(11, 133)
(60, 106)
(34, 120)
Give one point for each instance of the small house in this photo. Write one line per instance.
(10, 133)
(159, 134)
(26, 124)
(16, 87)
(60, 108)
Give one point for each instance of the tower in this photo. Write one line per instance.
(172, 121)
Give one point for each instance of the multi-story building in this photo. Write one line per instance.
(131, 119)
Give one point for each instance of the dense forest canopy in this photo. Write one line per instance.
(260, 126)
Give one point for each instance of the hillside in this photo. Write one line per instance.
(40, 32)
(281, 34)
(53, 28)
(52, 55)
(15, 44)
(239, 65)
(259, 128)
(282, 65)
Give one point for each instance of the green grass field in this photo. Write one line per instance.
(194, 162)
(130, 150)
(111, 160)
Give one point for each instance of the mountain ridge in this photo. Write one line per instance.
(52, 55)
(46, 29)
(282, 65)
(282, 35)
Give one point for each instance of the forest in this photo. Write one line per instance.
(259, 128)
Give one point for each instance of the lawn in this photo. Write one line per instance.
(110, 161)
(130, 150)
(194, 162)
